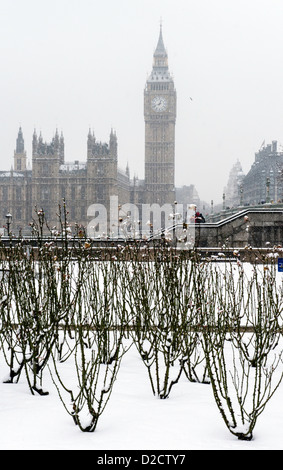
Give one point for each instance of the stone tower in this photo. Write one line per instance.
(160, 119)
(20, 155)
(46, 161)
(102, 171)
(15, 190)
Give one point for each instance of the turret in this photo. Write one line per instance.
(54, 149)
(113, 144)
(160, 57)
(20, 156)
(62, 149)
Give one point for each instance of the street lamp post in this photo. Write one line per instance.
(223, 197)
(8, 222)
(41, 222)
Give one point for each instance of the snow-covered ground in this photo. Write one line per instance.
(133, 420)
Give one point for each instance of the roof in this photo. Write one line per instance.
(160, 50)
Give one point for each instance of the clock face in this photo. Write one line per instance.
(159, 103)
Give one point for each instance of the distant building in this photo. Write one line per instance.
(160, 118)
(233, 190)
(188, 194)
(51, 178)
(262, 182)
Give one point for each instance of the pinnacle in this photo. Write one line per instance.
(160, 50)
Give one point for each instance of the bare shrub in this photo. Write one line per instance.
(240, 339)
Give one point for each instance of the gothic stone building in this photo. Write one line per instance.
(160, 119)
(262, 183)
(51, 178)
(233, 190)
(24, 191)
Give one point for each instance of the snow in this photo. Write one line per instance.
(68, 166)
(133, 420)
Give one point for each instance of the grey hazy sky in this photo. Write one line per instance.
(80, 64)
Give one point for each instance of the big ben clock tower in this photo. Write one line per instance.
(160, 118)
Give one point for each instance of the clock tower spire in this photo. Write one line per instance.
(160, 57)
(160, 118)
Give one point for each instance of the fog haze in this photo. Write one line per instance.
(73, 65)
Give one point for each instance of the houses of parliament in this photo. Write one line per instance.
(81, 184)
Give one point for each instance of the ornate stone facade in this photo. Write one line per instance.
(262, 183)
(234, 189)
(81, 184)
(160, 119)
(51, 180)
